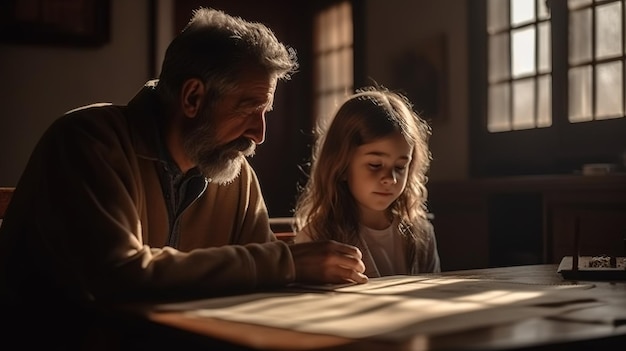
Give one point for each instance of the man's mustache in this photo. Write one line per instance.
(243, 145)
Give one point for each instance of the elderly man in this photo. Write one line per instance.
(156, 199)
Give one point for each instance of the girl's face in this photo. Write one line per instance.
(377, 174)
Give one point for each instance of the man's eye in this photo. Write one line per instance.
(250, 110)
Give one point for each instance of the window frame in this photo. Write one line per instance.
(337, 94)
(561, 148)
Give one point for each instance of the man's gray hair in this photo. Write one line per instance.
(214, 47)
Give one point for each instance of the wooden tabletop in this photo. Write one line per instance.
(535, 333)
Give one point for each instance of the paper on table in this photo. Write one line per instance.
(394, 307)
(614, 314)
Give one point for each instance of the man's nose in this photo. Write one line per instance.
(256, 128)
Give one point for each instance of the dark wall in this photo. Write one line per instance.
(287, 142)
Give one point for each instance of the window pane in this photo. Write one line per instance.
(347, 70)
(497, 11)
(333, 61)
(332, 30)
(609, 30)
(580, 94)
(321, 38)
(522, 11)
(323, 73)
(609, 90)
(498, 57)
(523, 51)
(345, 24)
(573, 4)
(327, 106)
(498, 115)
(544, 110)
(319, 110)
(320, 70)
(542, 10)
(524, 104)
(580, 36)
(545, 51)
(334, 69)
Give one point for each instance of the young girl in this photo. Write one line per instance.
(367, 185)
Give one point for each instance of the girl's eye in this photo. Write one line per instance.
(375, 165)
(401, 168)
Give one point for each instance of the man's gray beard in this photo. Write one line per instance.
(221, 164)
(224, 169)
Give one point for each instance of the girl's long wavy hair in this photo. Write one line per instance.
(325, 205)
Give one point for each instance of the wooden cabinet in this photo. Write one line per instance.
(527, 220)
(599, 216)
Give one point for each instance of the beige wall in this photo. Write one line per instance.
(40, 83)
(394, 26)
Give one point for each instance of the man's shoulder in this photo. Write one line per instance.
(89, 107)
(91, 123)
(101, 114)
(97, 113)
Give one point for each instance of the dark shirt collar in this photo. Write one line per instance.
(147, 121)
(145, 115)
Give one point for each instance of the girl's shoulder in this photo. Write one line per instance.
(304, 235)
(421, 228)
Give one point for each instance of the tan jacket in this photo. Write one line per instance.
(88, 219)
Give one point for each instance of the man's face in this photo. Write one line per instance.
(219, 139)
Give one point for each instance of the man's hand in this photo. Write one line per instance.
(327, 262)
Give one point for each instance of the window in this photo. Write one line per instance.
(519, 64)
(547, 92)
(596, 58)
(333, 57)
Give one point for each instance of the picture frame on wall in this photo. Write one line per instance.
(82, 23)
(420, 71)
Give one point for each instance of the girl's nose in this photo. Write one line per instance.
(390, 178)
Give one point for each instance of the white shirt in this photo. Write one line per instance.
(386, 248)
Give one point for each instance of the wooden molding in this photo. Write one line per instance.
(6, 193)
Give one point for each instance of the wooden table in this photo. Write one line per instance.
(176, 329)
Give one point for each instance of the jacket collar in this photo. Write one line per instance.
(145, 118)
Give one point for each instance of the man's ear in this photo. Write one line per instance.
(192, 95)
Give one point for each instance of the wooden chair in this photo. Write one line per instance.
(283, 229)
(5, 197)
